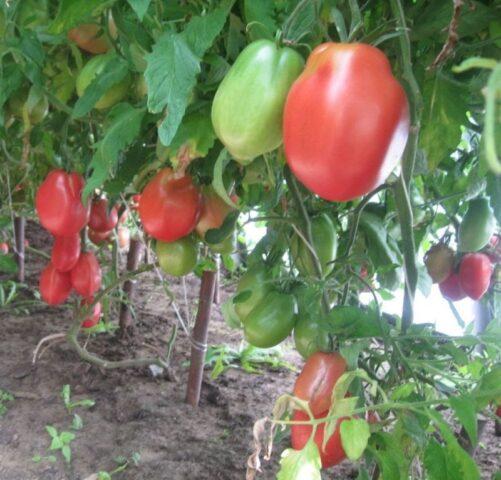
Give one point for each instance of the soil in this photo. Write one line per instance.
(135, 411)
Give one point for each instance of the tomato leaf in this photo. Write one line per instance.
(217, 235)
(260, 18)
(217, 181)
(300, 464)
(123, 130)
(464, 408)
(76, 12)
(229, 314)
(301, 21)
(353, 322)
(140, 7)
(7, 264)
(355, 434)
(435, 461)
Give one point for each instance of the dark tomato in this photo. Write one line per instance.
(99, 238)
(91, 37)
(86, 275)
(65, 252)
(451, 289)
(101, 218)
(55, 286)
(475, 271)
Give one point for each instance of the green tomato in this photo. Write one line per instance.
(324, 242)
(477, 227)
(255, 282)
(309, 337)
(94, 67)
(177, 258)
(271, 321)
(248, 105)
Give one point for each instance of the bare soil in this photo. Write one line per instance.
(135, 411)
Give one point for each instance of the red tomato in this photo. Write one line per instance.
(451, 289)
(123, 237)
(372, 417)
(86, 275)
(101, 219)
(169, 206)
(214, 211)
(65, 252)
(91, 38)
(93, 319)
(98, 238)
(26, 243)
(55, 286)
(346, 121)
(317, 379)
(4, 248)
(475, 272)
(498, 411)
(300, 434)
(59, 203)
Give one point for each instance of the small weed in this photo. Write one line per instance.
(61, 441)
(123, 463)
(5, 397)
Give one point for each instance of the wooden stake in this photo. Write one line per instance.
(217, 297)
(199, 338)
(19, 228)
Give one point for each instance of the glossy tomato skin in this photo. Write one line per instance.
(169, 206)
(256, 281)
(271, 321)
(55, 287)
(4, 248)
(300, 434)
(93, 68)
(86, 275)
(177, 258)
(98, 238)
(213, 212)
(93, 319)
(248, 105)
(346, 121)
(325, 244)
(309, 337)
(59, 203)
(451, 289)
(475, 271)
(65, 252)
(317, 379)
(477, 227)
(101, 218)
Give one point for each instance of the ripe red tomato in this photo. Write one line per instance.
(59, 203)
(475, 272)
(135, 201)
(300, 434)
(4, 248)
(346, 121)
(169, 206)
(98, 238)
(65, 252)
(101, 218)
(214, 211)
(86, 275)
(451, 289)
(93, 319)
(123, 237)
(55, 286)
(317, 379)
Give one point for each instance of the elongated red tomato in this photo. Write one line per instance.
(300, 434)
(86, 275)
(101, 219)
(317, 379)
(346, 121)
(65, 252)
(93, 319)
(451, 289)
(55, 286)
(59, 203)
(169, 206)
(475, 272)
(98, 238)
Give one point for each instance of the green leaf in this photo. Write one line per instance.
(66, 394)
(217, 181)
(171, 87)
(435, 461)
(120, 134)
(363, 474)
(115, 71)
(7, 264)
(52, 431)
(424, 281)
(301, 22)
(354, 322)
(464, 408)
(302, 464)
(260, 18)
(75, 12)
(103, 476)
(376, 235)
(67, 437)
(355, 434)
(140, 7)
(218, 235)
(444, 113)
(77, 422)
(66, 451)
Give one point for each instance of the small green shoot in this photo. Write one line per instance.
(5, 397)
(123, 463)
(70, 405)
(61, 441)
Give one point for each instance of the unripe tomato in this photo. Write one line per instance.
(325, 244)
(317, 379)
(93, 68)
(475, 271)
(93, 319)
(346, 121)
(177, 258)
(91, 37)
(439, 261)
(65, 252)
(477, 227)
(169, 207)
(123, 237)
(271, 321)
(300, 434)
(55, 286)
(20, 107)
(451, 289)
(213, 212)
(86, 275)
(309, 337)
(256, 282)
(140, 87)
(59, 203)
(4, 248)
(101, 218)
(98, 238)
(248, 105)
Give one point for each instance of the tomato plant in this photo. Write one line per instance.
(55, 286)
(86, 275)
